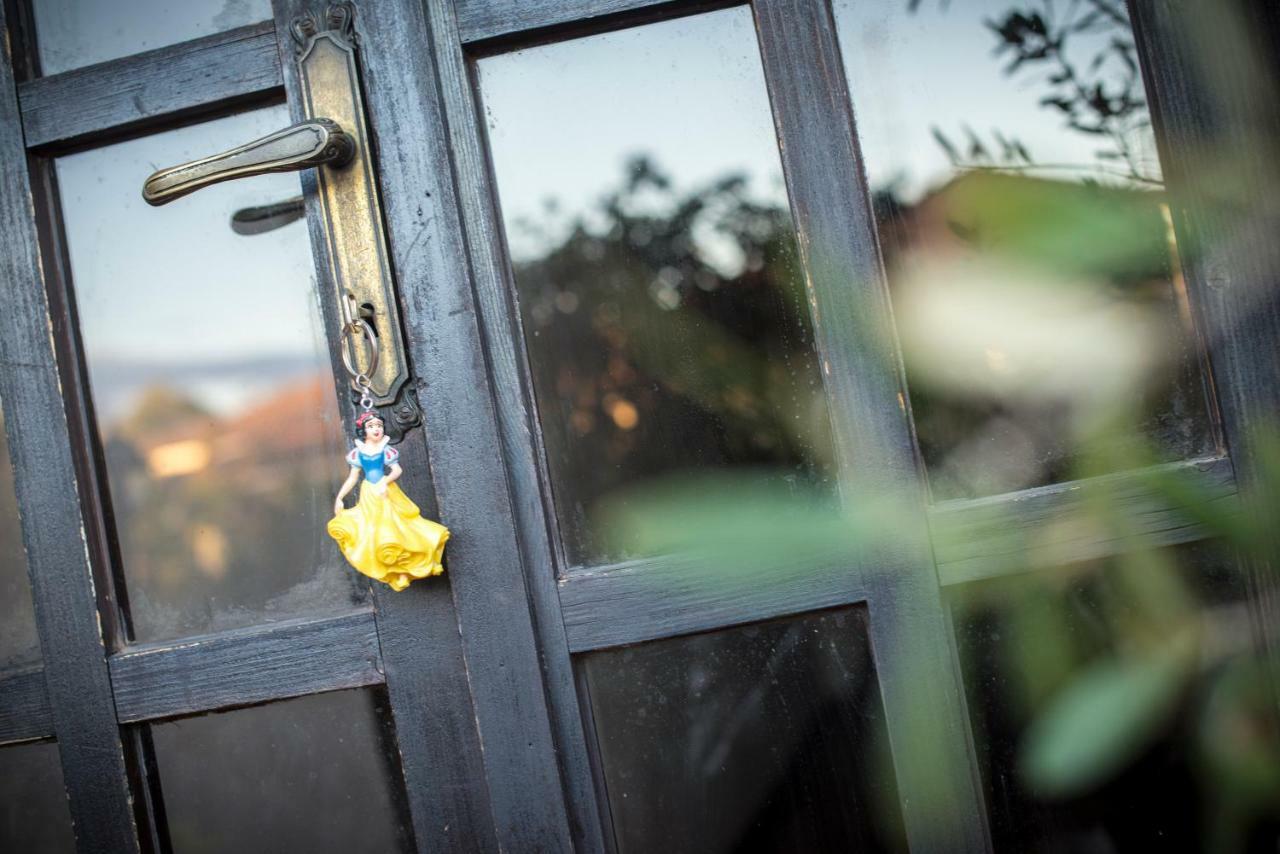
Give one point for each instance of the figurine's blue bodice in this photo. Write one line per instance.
(373, 465)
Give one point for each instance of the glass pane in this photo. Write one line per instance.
(74, 33)
(768, 737)
(212, 386)
(664, 315)
(1120, 706)
(33, 801)
(1024, 226)
(317, 774)
(19, 645)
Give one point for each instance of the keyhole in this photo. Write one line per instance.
(367, 314)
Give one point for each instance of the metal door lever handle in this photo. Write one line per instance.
(315, 142)
(343, 204)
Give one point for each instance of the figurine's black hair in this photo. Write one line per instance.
(360, 426)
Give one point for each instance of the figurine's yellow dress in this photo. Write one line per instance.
(385, 536)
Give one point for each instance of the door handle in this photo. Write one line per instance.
(315, 142)
(334, 137)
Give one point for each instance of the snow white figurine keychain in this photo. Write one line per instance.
(384, 535)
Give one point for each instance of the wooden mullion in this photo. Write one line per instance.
(73, 648)
(660, 597)
(427, 679)
(501, 24)
(198, 77)
(1030, 530)
(976, 539)
(913, 648)
(246, 666)
(491, 600)
(1210, 72)
(517, 419)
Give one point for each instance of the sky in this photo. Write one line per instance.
(562, 118)
(73, 33)
(172, 292)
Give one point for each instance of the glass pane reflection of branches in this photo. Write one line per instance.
(1027, 236)
(655, 265)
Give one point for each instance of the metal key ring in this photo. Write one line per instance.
(366, 331)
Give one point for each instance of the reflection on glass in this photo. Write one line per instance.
(656, 270)
(212, 387)
(74, 33)
(1023, 223)
(33, 801)
(318, 774)
(19, 645)
(767, 737)
(1121, 706)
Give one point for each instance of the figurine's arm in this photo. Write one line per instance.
(346, 488)
(393, 474)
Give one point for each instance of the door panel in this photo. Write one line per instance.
(656, 271)
(1027, 641)
(34, 815)
(219, 501)
(1007, 201)
(811, 562)
(315, 773)
(210, 378)
(643, 601)
(768, 737)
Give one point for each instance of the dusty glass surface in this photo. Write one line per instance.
(1023, 223)
(1120, 705)
(19, 644)
(33, 801)
(664, 314)
(74, 33)
(767, 737)
(315, 775)
(212, 387)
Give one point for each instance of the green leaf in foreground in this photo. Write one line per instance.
(1103, 720)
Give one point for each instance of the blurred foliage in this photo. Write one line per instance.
(668, 331)
(1118, 702)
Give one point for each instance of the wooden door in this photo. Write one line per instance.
(711, 585)
(195, 623)
(691, 607)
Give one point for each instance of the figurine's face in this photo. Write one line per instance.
(373, 430)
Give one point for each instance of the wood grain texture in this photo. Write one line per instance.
(77, 682)
(483, 20)
(1056, 525)
(207, 74)
(484, 565)
(437, 740)
(650, 599)
(830, 202)
(1214, 88)
(246, 666)
(512, 388)
(24, 708)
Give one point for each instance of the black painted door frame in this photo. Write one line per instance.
(479, 666)
(450, 674)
